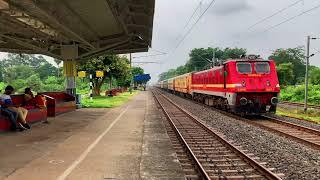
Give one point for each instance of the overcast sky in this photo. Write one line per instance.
(226, 25)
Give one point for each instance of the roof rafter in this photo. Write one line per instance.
(58, 24)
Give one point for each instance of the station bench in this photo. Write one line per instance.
(34, 115)
(59, 102)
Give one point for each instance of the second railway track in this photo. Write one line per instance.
(302, 134)
(211, 155)
(305, 135)
(298, 104)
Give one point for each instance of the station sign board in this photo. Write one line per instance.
(81, 74)
(99, 73)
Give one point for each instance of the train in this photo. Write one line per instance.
(246, 86)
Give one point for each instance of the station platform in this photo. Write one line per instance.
(127, 142)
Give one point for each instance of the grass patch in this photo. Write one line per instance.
(311, 115)
(108, 102)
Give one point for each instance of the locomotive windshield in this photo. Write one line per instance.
(244, 68)
(262, 67)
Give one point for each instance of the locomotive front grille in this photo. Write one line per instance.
(256, 103)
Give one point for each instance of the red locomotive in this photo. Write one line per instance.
(245, 86)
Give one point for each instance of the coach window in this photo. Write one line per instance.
(262, 67)
(244, 68)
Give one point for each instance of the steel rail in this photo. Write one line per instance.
(301, 119)
(253, 163)
(199, 168)
(257, 122)
(298, 104)
(305, 135)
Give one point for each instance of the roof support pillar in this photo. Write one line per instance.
(69, 53)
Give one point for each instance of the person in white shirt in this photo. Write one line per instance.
(22, 112)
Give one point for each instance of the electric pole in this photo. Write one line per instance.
(213, 58)
(131, 82)
(307, 76)
(130, 61)
(307, 73)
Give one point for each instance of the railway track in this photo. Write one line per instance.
(204, 153)
(305, 135)
(298, 104)
(302, 134)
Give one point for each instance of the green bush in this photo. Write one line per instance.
(296, 94)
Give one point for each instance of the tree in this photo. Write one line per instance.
(285, 73)
(201, 58)
(296, 57)
(34, 82)
(1, 71)
(181, 70)
(53, 83)
(113, 66)
(13, 73)
(137, 71)
(233, 53)
(23, 59)
(17, 66)
(19, 85)
(120, 70)
(58, 62)
(315, 75)
(163, 76)
(23, 70)
(46, 70)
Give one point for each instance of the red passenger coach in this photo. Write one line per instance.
(248, 86)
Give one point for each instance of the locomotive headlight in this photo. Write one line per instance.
(243, 83)
(274, 100)
(268, 83)
(243, 101)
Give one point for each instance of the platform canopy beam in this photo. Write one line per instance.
(97, 27)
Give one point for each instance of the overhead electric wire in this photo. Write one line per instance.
(158, 51)
(146, 62)
(274, 14)
(190, 18)
(283, 22)
(194, 13)
(317, 52)
(149, 55)
(291, 18)
(193, 25)
(259, 22)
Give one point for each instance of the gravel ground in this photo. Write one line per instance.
(296, 161)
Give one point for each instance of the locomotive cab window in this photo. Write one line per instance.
(262, 67)
(244, 68)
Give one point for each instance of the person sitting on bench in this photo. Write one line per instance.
(12, 116)
(32, 101)
(22, 112)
